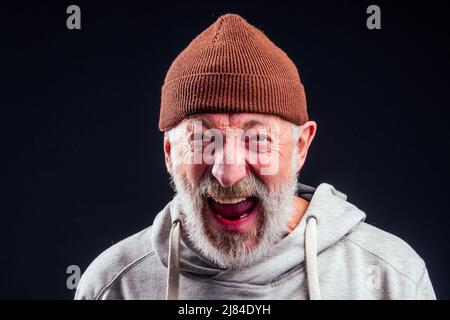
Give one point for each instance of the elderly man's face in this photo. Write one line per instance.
(236, 175)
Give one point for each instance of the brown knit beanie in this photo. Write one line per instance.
(232, 67)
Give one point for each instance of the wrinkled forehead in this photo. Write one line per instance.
(235, 120)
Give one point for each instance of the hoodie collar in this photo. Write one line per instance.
(335, 218)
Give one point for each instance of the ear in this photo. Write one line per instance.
(309, 129)
(167, 154)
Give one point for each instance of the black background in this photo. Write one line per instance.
(84, 166)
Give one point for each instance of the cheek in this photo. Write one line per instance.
(281, 161)
(194, 172)
(185, 167)
(283, 174)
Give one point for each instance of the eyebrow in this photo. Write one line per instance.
(206, 122)
(253, 123)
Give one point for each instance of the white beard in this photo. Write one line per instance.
(235, 250)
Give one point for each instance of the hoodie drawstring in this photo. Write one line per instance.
(311, 258)
(173, 273)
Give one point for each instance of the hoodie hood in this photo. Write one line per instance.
(331, 254)
(334, 217)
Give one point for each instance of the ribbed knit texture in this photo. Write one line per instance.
(232, 67)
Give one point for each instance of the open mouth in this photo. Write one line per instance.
(232, 211)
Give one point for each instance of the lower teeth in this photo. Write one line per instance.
(240, 217)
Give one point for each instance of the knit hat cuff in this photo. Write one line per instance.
(231, 93)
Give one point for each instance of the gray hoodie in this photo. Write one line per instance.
(331, 254)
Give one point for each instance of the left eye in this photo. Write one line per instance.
(258, 138)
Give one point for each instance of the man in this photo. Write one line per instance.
(236, 134)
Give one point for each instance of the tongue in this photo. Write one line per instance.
(232, 210)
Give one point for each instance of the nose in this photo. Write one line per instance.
(229, 165)
(228, 174)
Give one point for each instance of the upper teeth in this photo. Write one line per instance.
(229, 200)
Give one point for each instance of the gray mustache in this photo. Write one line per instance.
(250, 186)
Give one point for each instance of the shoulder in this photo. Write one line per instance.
(113, 263)
(388, 249)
